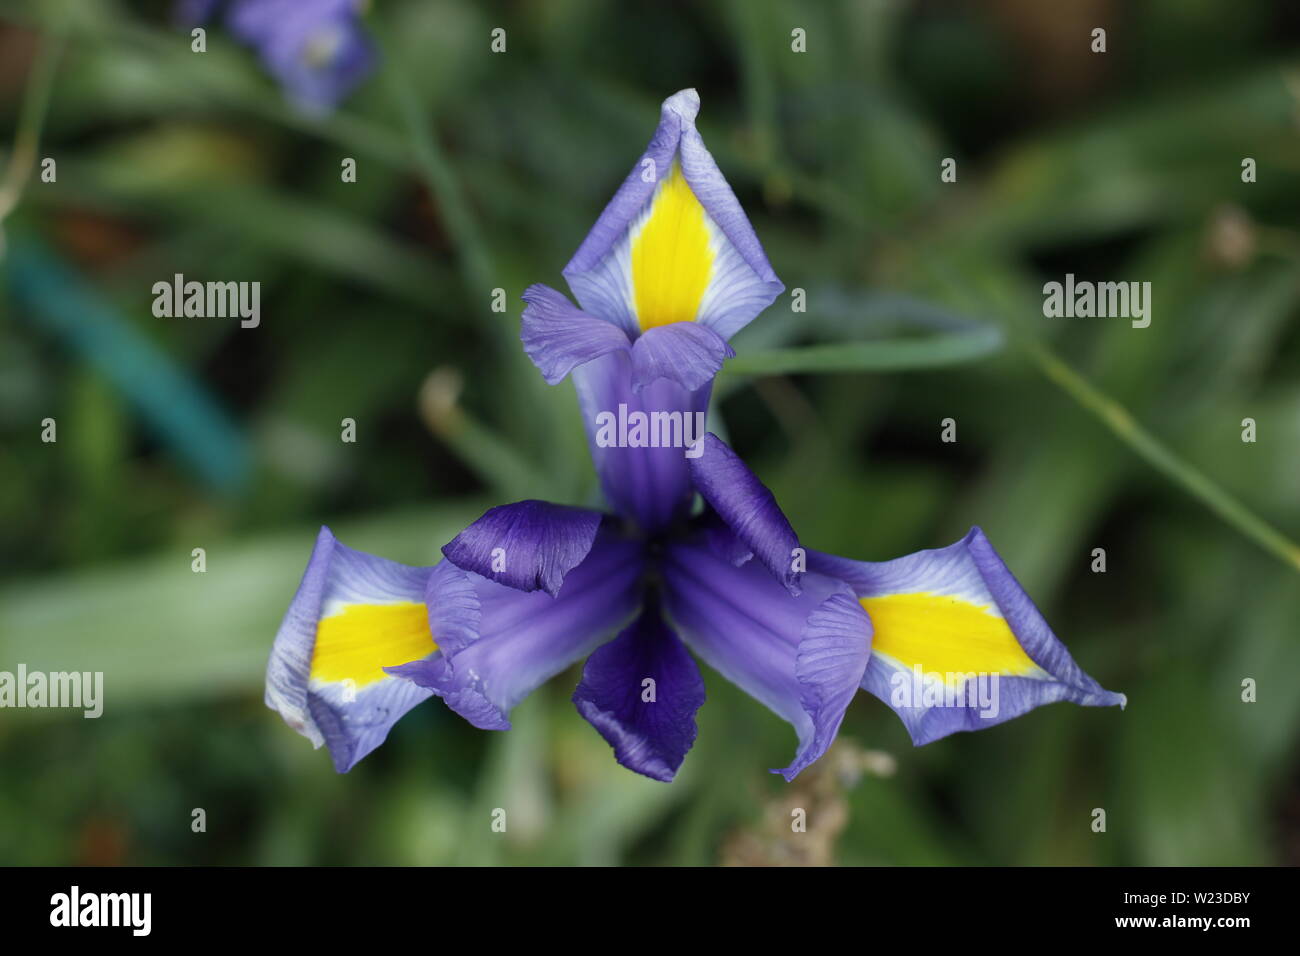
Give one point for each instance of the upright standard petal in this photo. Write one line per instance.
(749, 510)
(641, 692)
(527, 545)
(674, 245)
(525, 638)
(353, 614)
(641, 440)
(958, 643)
(803, 656)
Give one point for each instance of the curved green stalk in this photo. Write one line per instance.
(1125, 427)
(31, 120)
(873, 355)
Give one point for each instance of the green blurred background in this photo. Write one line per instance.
(479, 171)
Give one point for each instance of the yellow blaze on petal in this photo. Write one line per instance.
(945, 635)
(671, 257)
(359, 642)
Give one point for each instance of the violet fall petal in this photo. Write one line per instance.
(802, 656)
(525, 638)
(958, 643)
(353, 614)
(641, 692)
(528, 545)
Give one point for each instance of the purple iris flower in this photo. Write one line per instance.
(316, 49)
(694, 554)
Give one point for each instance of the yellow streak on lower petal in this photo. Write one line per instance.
(945, 635)
(357, 643)
(671, 258)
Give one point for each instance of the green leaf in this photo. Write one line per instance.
(874, 355)
(162, 633)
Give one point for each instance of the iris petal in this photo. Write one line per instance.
(525, 638)
(668, 372)
(353, 614)
(528, 545)
(748, 508)
(454, 611)
(958, 643)
(686, 353)
(559, 337)
(674, 244)
(802, 656)
(646, 481)
(641, 692)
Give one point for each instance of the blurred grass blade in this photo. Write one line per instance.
(1116, 418)
(330, 240)
(220, 78)
(474, 259)
(879, 355)
(510, 473)
(865, 331)
(173, 403)
(36, 101)
(479, 269)
(161, 633)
